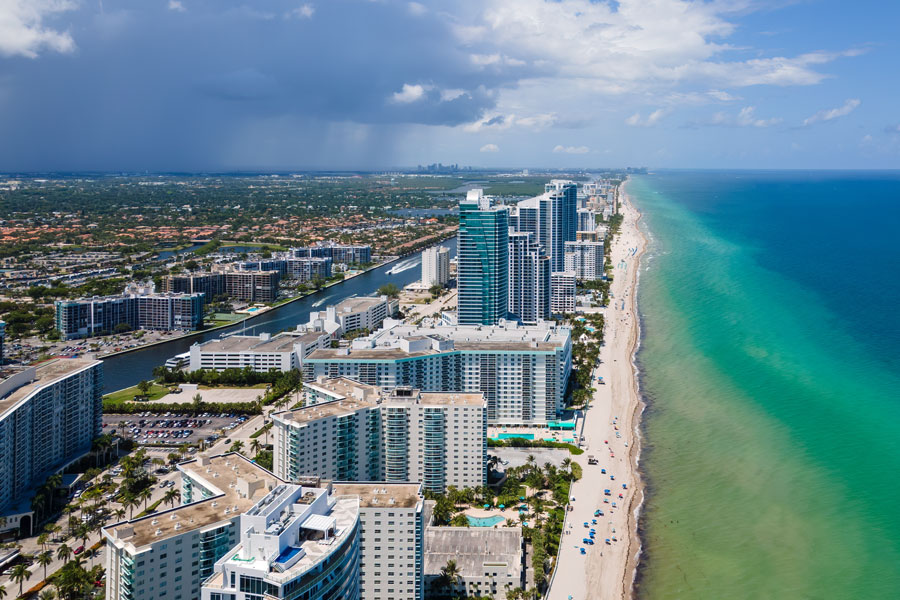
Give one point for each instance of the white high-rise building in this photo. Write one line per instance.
(529, 278)
(49, 415)
(562, 292)
(435, 266)
(522, 371)
(585, 259)
(244, 534)
(439, 439)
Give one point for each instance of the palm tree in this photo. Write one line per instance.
(42, 541)
(171, 497)
(255, 446)
(44, 559)
(145, 495)
(120, 513)
(20, 575)
(567, 464)
(64, 553)
(237, 446)
(2, 591)
(47, 594)
(450, 576)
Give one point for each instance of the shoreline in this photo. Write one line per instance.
(636, 504)
(612, 435)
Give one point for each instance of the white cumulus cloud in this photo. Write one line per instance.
(833, 113)
(745, 118)
(409, 94)
(490, 148)
(560, 149)
(304, 11)
(176, 5)
(22, 28)
(652, 119)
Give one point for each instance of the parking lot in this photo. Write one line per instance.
(172, 429)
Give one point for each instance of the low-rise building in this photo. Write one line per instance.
(490, 561)
(283, 351)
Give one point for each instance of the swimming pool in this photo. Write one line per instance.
(485, 521)
(509, 436)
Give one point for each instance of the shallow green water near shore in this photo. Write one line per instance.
(770, 363)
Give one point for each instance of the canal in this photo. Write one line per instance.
(125, 370)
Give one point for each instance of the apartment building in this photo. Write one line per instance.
(529, 278)
(101, 315)
(392, 525)
(252, 286)
(562, 292)
(210, 285)
(338, 253)
(49, 415)
(242, 533)
(439, 439)
(483, 261)
(283, 351)
(522, 370)
(435, 266)
(585, 259)
(353, 314)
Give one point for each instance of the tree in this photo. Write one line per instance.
(171, 497)
(47, 594)
(145, 495)
(237, 446)
(20, 575)
(436, 290)
(443, 510)
(459, 520)
(390, 290)
(255, 446)
(450, 576)
(44, 559)
(143, 387)
(64, 553)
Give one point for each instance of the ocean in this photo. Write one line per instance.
(770, 362)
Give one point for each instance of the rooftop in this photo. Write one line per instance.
(237, 484)
(344, 388)
(334, 408)
(45, 374)
(357, 304)
(401, 495)
(473, 549)
(250, 343)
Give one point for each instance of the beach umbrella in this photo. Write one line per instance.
(502, 507)
(486, 506)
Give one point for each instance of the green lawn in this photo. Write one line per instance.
(127, 395)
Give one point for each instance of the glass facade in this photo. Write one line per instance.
(483, 264)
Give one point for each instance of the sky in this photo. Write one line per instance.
(222, 85)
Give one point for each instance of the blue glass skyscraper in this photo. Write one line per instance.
(483, 261)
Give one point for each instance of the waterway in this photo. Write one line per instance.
(124, 370)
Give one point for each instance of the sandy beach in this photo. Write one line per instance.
(611, 430)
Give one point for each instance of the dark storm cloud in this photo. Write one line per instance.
(151, 87)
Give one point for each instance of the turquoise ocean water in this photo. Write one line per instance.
(771, 366)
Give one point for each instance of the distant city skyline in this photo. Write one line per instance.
(221, 85)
